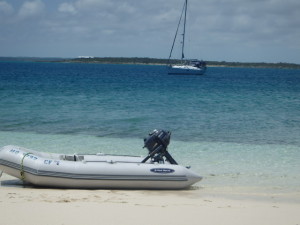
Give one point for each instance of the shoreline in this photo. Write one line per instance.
(132, 207)
(148, 61)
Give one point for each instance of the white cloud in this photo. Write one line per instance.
(5, 8)
(67, 8)
(31, 9)
(94, 4)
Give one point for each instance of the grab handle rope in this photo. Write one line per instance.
(22, 172)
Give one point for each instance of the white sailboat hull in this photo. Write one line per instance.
(186, 70)
(92, 171)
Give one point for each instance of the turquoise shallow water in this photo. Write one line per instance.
(234, 126)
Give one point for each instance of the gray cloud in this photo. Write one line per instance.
(5, 8)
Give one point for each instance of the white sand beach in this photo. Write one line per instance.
(42, 206)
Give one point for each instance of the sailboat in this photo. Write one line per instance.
(187, 67)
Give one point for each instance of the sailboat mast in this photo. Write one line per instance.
(183, 35)
(183, 9)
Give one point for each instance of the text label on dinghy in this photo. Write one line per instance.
(162, 170)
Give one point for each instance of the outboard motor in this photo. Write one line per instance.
(157, 144)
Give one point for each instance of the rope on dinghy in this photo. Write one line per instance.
(22, 172)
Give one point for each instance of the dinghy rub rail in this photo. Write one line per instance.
(46, 173)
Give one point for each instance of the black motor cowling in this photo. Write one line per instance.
(157, 143)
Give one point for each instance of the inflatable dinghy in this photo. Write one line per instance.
(156, 171)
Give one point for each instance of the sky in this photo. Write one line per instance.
(217, 30)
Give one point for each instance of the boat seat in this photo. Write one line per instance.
(72, 157)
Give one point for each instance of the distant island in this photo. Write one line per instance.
(149, 61)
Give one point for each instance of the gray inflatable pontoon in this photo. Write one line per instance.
(157, 171)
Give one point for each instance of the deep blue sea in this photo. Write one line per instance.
(234, 126)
